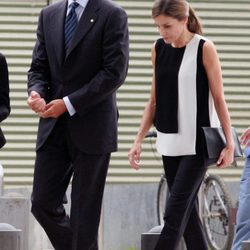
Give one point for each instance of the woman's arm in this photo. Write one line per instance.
(146, 122)
(212, 65)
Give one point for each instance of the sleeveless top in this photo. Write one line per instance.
(183, 100)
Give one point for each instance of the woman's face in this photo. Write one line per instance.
(170, 28)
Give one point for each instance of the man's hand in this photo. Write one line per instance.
(245, 137)
(35, 102)
(54, 109)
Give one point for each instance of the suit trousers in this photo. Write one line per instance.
(184, 175)
(57, 162)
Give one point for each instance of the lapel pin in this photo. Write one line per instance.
(91, 20)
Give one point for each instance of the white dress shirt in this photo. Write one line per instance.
(79, 11)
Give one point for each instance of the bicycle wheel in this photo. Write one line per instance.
(161, 199)
(216, 214)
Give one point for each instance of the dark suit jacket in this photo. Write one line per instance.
(4, 95)
(91, 72)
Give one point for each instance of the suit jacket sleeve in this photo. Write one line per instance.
(39, 73)
(4, 90)
(115, 64)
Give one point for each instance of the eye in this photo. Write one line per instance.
(166, 26)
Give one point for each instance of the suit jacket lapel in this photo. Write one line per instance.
(87, 20)
(57, 20)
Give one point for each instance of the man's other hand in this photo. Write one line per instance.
(54, 109)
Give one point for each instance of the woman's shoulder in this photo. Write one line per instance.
(2, 56)
(208, 46)
(205, 44)
(2, 59)
(204, 40)
(160, 44)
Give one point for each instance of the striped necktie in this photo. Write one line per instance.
(70, 25)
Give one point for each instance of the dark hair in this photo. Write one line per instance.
(178, 9)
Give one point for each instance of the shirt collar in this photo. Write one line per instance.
(83, 3)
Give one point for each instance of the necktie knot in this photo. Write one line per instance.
(74, 5)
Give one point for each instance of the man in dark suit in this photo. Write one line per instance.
(4, 95)
(72, 86)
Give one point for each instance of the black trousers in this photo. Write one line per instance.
(56, 163)
(184, 176)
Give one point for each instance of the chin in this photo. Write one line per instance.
(166, 41)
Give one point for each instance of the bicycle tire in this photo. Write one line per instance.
(217, 222)
(161, 199)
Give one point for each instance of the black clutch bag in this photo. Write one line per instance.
(215, 141)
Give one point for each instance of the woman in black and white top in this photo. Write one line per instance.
(187, 94)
